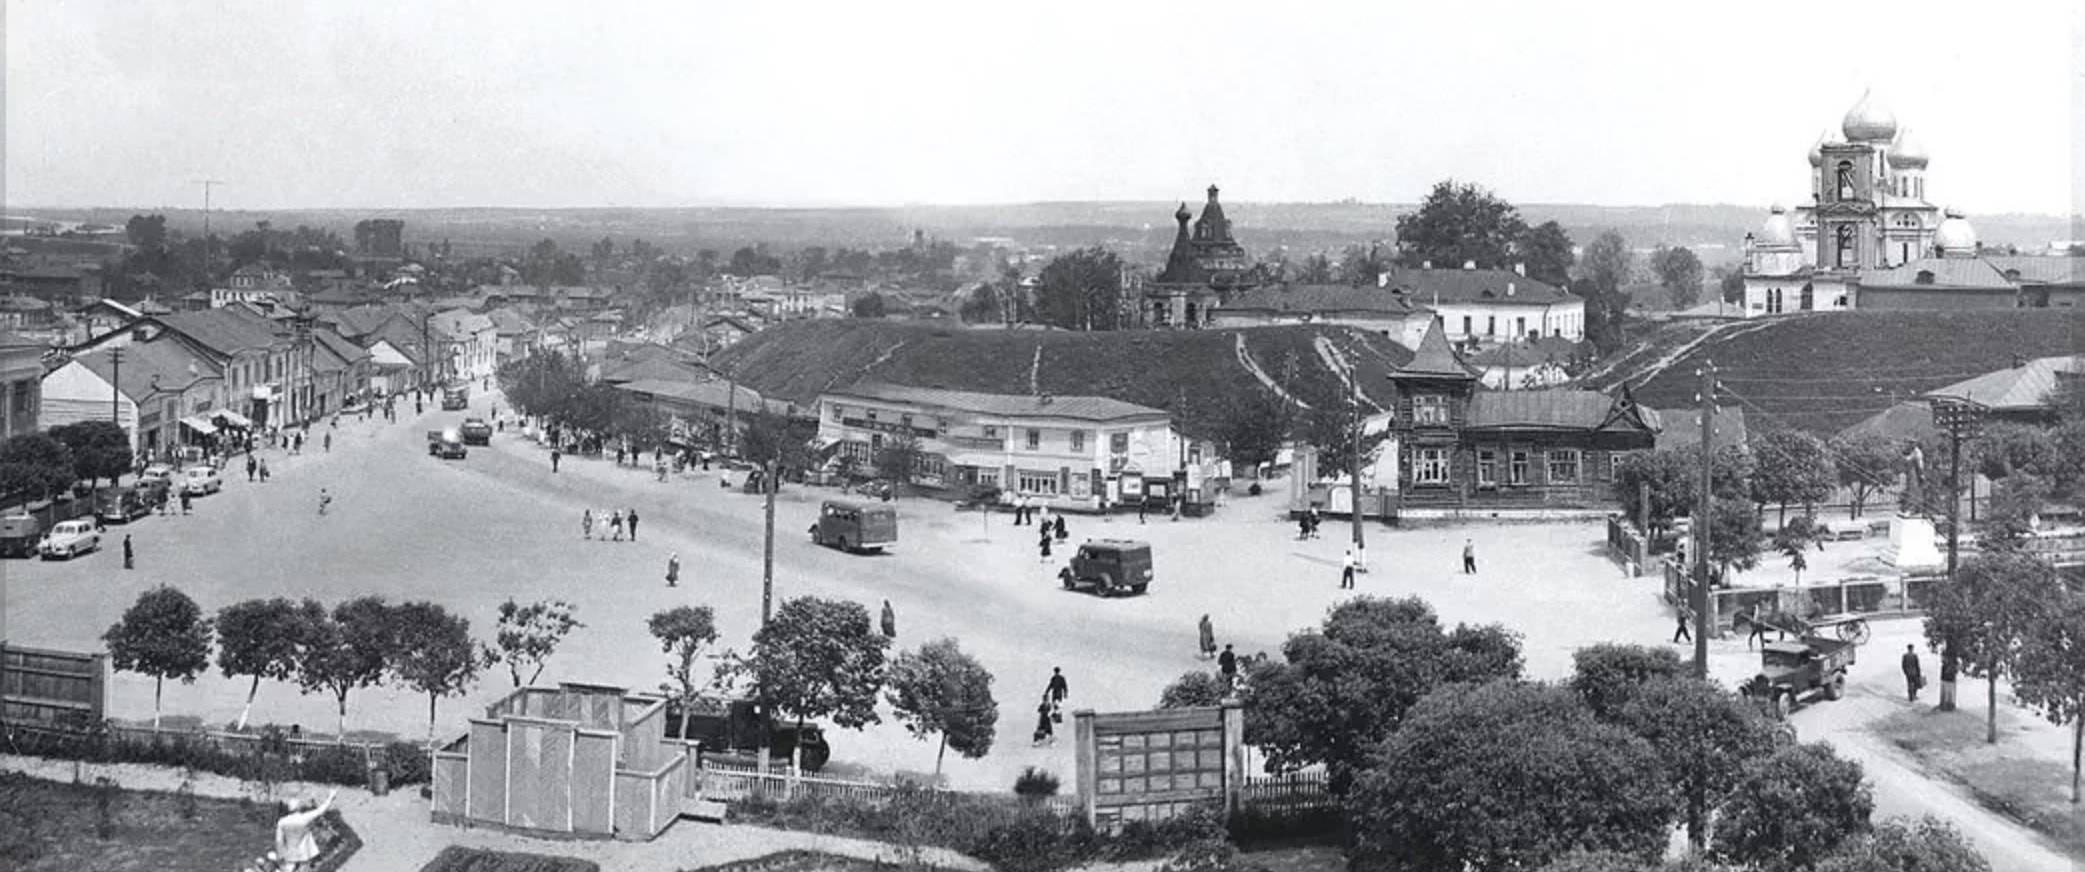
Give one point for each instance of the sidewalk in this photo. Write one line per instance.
(398, 837)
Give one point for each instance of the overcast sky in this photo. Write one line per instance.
(409, 104)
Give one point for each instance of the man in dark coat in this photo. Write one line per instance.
(555, 456)
(1059, 688)
(1061, 535)
(631, 519)
(890, 621)
(1913, 677)
(129, 556)
(1227, 664)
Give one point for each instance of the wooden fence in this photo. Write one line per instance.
(52, 688)
(295, 748)
(731, 783)
(1286, 793)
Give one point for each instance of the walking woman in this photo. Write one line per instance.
(1208, 633)
(586, 524)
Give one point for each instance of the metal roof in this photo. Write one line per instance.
(2020, 388)
(1556, 410)
(1010, 405)
(1958, 273)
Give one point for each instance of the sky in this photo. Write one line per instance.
(382, 104)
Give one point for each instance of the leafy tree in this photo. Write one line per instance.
(1360, 265)
(1730, 284)
(939, 690)
(1316, 269)
(526, 636)
(1793, 467)
(1505, 776)
(1608, 675)
(100, 449)
(685, 633)
(1193, 690)
(869, 305)
(1793, 540)
(1458, 223)
(1986, 615)
(433, 652)
(983, 306)
(1081, 290)
(1704, 735)
(35, 463)
(351, 648)
(2009, 516)
(1254, 432)
(1666, 477)
(1548, 252)
(1733, 536)
(1342, 688)
(1606, 265)
(2003, 448)
(2050, 675)
(1926, 845)
(1679, 273)
(147, 232)
(165, 635)
(1790, 809)
(899, 458)
(259, 638)
(1867, 465)
(818, 658)
(605, 249)
(771, 437)
(753, 260)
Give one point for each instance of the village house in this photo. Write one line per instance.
(1479, 307)
(1070, 449)
(164, 394)
(468, 341)
(21, 384)
(706, 412)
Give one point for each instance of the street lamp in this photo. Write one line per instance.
(1959, 418)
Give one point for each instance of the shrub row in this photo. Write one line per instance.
(344, 765)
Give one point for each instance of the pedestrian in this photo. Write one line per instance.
(1469, 557)
(1302, 526)
(329, 441)
(555, 456)
(1044, 543)
(890, 621)
(1061, 535)
(1059, 688)
(264, 472)
(631, 519)
(1913, 677)
(1227, 665)
(618, 455)
(586, 524)
(185, 498)
(1018, 503)
(1140, 509)
(659, 466)
(295, 845)
(615, 524)
(1681, 632)
(1207, 631)
(1317, 520)
(1756, 628)
(1346, 571)
(129, 556)
(325, 499)
(1044, 730)
(673, 570)
(251, 467)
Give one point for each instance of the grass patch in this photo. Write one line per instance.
(1313, 858)
(456, 858)
(801, 861)
(2006, 778)
(61, 827)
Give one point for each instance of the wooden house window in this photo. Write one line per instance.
(1034, 439)
(1487, 468)
(1563, 466)
(1433, 466)
(1430, 409)
(1078, 440)
(1517, 467)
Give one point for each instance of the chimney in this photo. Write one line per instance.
(2019, 361)
(1509, 289)
(1520, 269)
(1382, 280)
(1426, 264)
(1469, 264)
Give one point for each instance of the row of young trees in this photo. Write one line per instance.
(554, 386)
(37, 465)
(1444, 757)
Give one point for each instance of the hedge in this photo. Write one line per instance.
(343, 764)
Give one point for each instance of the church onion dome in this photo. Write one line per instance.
(1868, 122)
(1183, 215)
(1776, 230)
(1908, 153)
(1817, 149)
(1955, 234)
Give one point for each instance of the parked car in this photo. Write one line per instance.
(200, 480)
(120, 505)
(19, 535)
(1109, 567)
(161, 471)
(476, 432)
(153, 491)
(736, 726)
(69, 539)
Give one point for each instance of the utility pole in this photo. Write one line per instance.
(1959, 418)
(116, 386)
(767, 557)
(1698, 593)
(1354, 470)
(207, 247)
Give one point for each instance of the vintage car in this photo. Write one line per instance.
(200, 480)
(69, 539)
(1793, 670)
(19, 535)
(1109, 567)
(476, 431)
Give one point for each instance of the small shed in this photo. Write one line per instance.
(577, 760)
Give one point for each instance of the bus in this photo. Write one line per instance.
(851, 526)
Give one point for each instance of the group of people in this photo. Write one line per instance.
(1226, 661)
(613, 525)
(1051, 712)
(1051, 531)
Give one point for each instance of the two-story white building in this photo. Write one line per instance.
(469, 342)
(1065, 449)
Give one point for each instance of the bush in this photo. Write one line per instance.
(456, 858)
(344, 764)
(408, 764)
(1035, 783)
(1251, 824)
(1254, 490)
(337, 765)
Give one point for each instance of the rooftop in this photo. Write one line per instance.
(1558, 410)
(1322, 298)
(1009, 405)
(1429, 286)
(1959, 273)
(170, 364)
(227, 330)
(2021, 388)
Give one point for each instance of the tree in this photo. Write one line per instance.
(2050, 675)
(1703, 734)
(1194, 689)
(1730, 285)
(1254, 432)
(1733, 536)
(939, 690)
(1793, 467)
(165, 635)
(526, 636)
(1867, 465)
(1342, 688)
(899, 459)
(259, 638)
(100, 449)
(351, 648)
(771, 437)
(1665, 477)
(1793, 540)
(1986, 615)
(1790, 809)
(818, 658)
(1081, 290)
(753, 260)
(869, 305)
(1548, 252)
(1926, 845)
(1458, 223)
(1679, 273)
(1505, 776)
(1316, 269)
(983, 306)
(1360, 265)
(35, 463)
(433, 653)
(1608, 675)
(685, 633)
(147, 232)
(1606, 267)
(605, 249)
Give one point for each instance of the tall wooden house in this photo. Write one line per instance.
(1466, 449)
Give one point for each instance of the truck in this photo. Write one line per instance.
(1793, 670)
(445, 444)
(1109, 567)
(456, 397)
(853, 527)
(735, 726)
